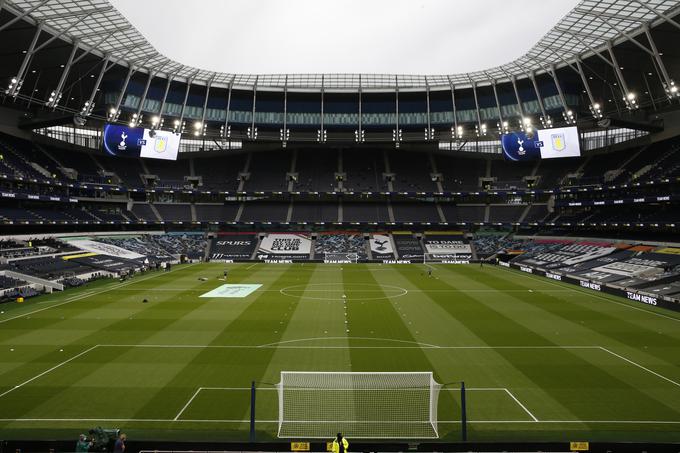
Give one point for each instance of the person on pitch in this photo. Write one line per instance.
(340, 444)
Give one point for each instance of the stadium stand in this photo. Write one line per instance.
(364, 170)
(412, 172)
(220, 173)
(263, 211)
(411, 212)
(222, 212)
(363, 212)
(316, 170)
(326, 212)
(268, 171)
(174, 211)
(144, 212)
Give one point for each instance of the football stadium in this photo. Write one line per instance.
(339, 226)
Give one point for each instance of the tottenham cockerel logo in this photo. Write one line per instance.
(380, 244)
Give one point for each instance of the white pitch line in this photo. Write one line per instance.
(47, 371)
(418, 344)
(252, 265)
(156, 420)
(354, 290)
(520, 404)
(210, 346)
(237, 388)
(169, 420)
(450, 389)
(70, 298)
(579, 291)
(82, 296)
(187, 404)
(641, 366)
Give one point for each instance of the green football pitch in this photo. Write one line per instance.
(542, 360)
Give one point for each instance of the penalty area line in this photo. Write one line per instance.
(642, 367)
(188, 403)
(48, 371)
(510, 394)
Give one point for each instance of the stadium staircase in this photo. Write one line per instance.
(144, 167)
(289, 213)
(155, 212)
(435, 171)
(665, 158)
(52, 158)
(524, 214)
(390, 211)
(440, 211)
(242, 182)
(622, 170)
(128, 216)
(31, 166)
(312, 253)
(291, 182)
(390, 184)
(340, 183)
(194, 217)
(641, 172)
(257, 248)
(367, 247)
(239, 213)
(97, 163)
(394, 247)
(658, 163)
(99, 219)
(208, 250)
(473, 250)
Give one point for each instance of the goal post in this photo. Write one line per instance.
(362, 405)
(341, 258)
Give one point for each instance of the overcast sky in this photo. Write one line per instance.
(344, 36)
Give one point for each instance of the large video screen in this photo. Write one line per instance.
(543, 144)
(126, 141)
(558, 142)
(163, 145)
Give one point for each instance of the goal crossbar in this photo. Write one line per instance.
(368, 405)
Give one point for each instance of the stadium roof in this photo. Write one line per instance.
(336, 36)
(589, 26)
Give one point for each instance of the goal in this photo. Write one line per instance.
(359, 405)
(340, 258)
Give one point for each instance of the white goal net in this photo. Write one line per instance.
(359, 405)
(340, 258)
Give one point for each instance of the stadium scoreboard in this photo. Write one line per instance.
(543, 144)
(123, 141)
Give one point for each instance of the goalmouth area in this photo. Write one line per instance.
(541, 360)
